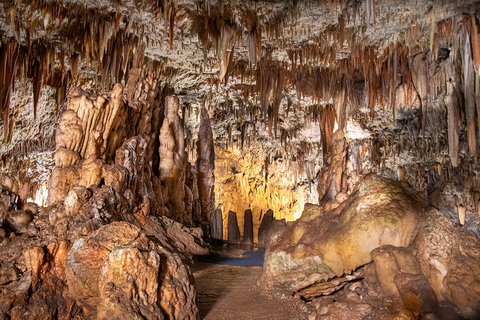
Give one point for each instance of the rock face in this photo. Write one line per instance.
(322, 244)
(128, 165)
(83, 133)
(172, 161)
(118, 272)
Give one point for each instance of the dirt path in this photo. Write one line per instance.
(231, 292)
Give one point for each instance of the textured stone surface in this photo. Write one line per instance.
(118, 272)
(325, 244)
(449, 256)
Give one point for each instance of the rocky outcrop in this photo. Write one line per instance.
(119, 272)
(108, 214)
(127, 165)
(384, 250)
(323, 244)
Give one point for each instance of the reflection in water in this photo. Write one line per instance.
(235, 255)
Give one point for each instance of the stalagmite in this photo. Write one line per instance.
(248, 227)
(327, 123)
(461, 214)
(172, 160)
(216, 224)
(85, 114)
(264, 229)
(233, 230)
(469, 94)
(419, 68)
(453, 113)
(206, 165)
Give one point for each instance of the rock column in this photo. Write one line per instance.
(248, 227)
(206, 165)
(216, 225)
(233, 230)
(265, 225)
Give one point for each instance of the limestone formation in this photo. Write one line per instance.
(233, 230)
(87, 113)
(216, 224)
(450, 269)
(172, 160)
(265, 226)
(323, 244)
(343, 133)
(330, 179)
(119, 272)
(248, 227)
(206, 165)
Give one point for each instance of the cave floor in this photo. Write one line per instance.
(227, 289)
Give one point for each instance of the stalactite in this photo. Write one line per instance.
(37, 83)
(432, 30)
(394, 84)
(327, 124)
(8, 60)
(469, 94)
(369, 12)
(225, 47)
(452, 102)
(474, 34)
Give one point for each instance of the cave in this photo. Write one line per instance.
(239, 159)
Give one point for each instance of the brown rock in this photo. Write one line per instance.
(118, 272)
(206, 165)
(379, 212)
(128, 274)
(389, 261)
(8, 273)
(61, 182)
(417, 294)
(31, 207)
(34, 259)
(83, 266)
(19, 219)
(449, 257)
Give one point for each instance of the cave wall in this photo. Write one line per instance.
(258, 179)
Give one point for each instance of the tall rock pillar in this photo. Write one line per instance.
(206, 167)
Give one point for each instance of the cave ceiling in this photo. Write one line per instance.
(254, 61)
